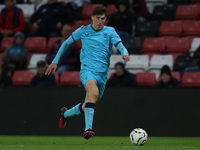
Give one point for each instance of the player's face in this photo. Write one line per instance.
(98, 21)
(165, 78)
(119, 71)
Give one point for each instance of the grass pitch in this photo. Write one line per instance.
(96, 143)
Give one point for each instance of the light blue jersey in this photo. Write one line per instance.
(96, 47)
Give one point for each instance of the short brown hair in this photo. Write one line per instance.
(100, 10)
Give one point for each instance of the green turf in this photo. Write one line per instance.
(96, 143)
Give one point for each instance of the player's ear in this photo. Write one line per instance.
(92, 17)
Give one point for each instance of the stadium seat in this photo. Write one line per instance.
(187, 12)
(158, 61)
(78, 23)
(191, 79)
(183, 62)
(195, 44)
(177, 45)
(147, 29)
(191, 27)
(56, 74)
(114, 59)
(6, 43)
(153, 45)
(36, 44)
(138, 63)
(34, 59)
(22, 77)
(170, 28)
(175, 75)
(164, 12)
(1, 61)
(71, 78)
(133, 44)
(28, 9)
(111, 9)
(179, 2)
(151, 6)
(87, 10)
(52, 41)
(145, 79)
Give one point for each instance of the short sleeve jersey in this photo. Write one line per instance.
(96, 47)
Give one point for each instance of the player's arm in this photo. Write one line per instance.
(60, 52)
(123, 51)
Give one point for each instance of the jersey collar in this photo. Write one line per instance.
(96, 30)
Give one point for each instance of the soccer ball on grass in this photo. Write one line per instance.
(138, 136)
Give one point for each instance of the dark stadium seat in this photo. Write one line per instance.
(191, 27)
(153, 45)
(164, 12)
(56, 74)
(175, 75)
(22, 77)
(71, 78)
(177, 45)
(175, 55)
(191, 79)
(187, 12)
(133, 45)
(52, 41)
(36, 44)
(170, 28)
(87, 10)
(111, 9)
(6, 42)
(180, 2)
(146, 79)
(182, 62)
(78, 23)
(1, 61)
(147, 29)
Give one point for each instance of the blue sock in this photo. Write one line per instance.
(76, 110)
(89, 113)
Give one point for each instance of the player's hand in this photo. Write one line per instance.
(50, 68)
(126, 57)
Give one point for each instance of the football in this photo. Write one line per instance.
(138, 136)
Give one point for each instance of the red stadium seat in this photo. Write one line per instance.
(22, 77)
(87, 10)
(6, 43)
(36, 44)
(70, 78)
(187, 12)
(153, 45)
(177, 45)
(175, 75)
(191, 27)
(56, 74)
(191, 79)
(52, 41)
(78, 23)
(146, 79)
(1, 61)
(170, 28)
(111, 9)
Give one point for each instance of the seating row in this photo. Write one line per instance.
(72, 78)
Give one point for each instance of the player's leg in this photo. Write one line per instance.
(92, 93)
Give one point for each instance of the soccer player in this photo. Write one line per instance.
(97, 41)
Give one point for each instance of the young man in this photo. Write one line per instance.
(97, 41)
